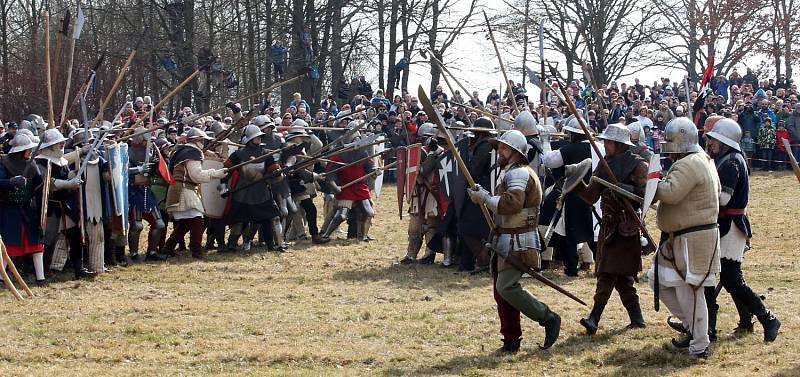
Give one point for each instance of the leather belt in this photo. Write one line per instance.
(723, 212)
(693, 229)
(518, 230)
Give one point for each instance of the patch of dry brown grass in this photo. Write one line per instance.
(345, 309)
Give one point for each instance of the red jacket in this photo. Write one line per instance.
(358, 191)
(781, 134)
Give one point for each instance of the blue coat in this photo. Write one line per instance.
(14, 216)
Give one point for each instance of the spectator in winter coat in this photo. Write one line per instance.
(793, 126)
(781, 134)
(766, 143)
(297, 101)
(439, 92)
(748, 148)
(721, 87)
(378, 99)
(279, 59)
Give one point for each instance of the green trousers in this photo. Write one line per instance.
(508, 287)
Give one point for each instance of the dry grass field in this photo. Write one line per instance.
(346, 309)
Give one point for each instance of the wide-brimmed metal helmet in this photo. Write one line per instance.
(727, 132)
(514, 139)
(618, 133)
(526, 123)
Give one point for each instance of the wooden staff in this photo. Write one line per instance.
(6, 279)
(247, 97)
(83, 87)
(511, 258)
(502, 66)
(113, 91)
(68, 84)
(374, 173)
(445, 70)
(158, 106)
(50, 112)
(14, 271)
(48, 174)
(793, 160)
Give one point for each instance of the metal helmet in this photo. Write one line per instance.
(195, 134)
(29, 134)
(618, 133)
(299, 123)
(80, 137)
(504, 122)
(573, 125)
(37, 122)
(297, 129)
(426, 130)
(483, 122)
(727, 132)
(218, 128)
(251, 132)
(513, 139)
(263, 121)
(636, 131)
(526, 123)
(21, 143)
(680, 136)
(710, 122)
(51, 137)
(162, 121)
(25, 125)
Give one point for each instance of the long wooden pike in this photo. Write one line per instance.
(84, 87)
(60, 35)
(68, 83)
(6, 279)
(511, 258)
(792, 159)
(247, 97)
(47, 68)
(502, 66)
(117, 82)
(160, 104)
(14, 271)
(371, 174)
(445, 70)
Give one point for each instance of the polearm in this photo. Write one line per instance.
(543, 79)
(511, 258)
(117, 83)
(70, 62)
(13, 268)
(161, 104)
(84, 87)
(479, 111)
(502, 66)
(247, 97)
(371, 174)
(302, 165)
(563, 96)
(50, 111)
(445, 70)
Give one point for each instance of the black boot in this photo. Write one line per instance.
(552, 328)
(155, 256)
(119, 253)
(745, 325)
(677, 326)
(591, 322)
(684, 342)
(510, 346)
(771, 326)
(635, 315)
(712, 322)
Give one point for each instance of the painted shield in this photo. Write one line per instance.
(412, 169)
(213, 202)
(494, 176)
(402, 156)
(379, 163)
(653, 176)
(452, 180)
(118, 158)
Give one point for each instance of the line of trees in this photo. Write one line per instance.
(353, 38)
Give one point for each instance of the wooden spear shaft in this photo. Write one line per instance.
(68, 83)
(445, 70)
(502, 66)
(50, 111)
(114, 87)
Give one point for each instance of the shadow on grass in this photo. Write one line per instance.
(793, 371)
(650, 360)
(414, 276)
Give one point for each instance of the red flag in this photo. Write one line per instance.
(708, 73)
(163, 169)
(705, 90)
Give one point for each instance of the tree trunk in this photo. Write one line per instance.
(435, 70)
(381, 43)
(391, 77)
(337, 69)
(252, 75)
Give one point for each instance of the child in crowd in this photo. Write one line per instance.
(748, 148)
(780, 149)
